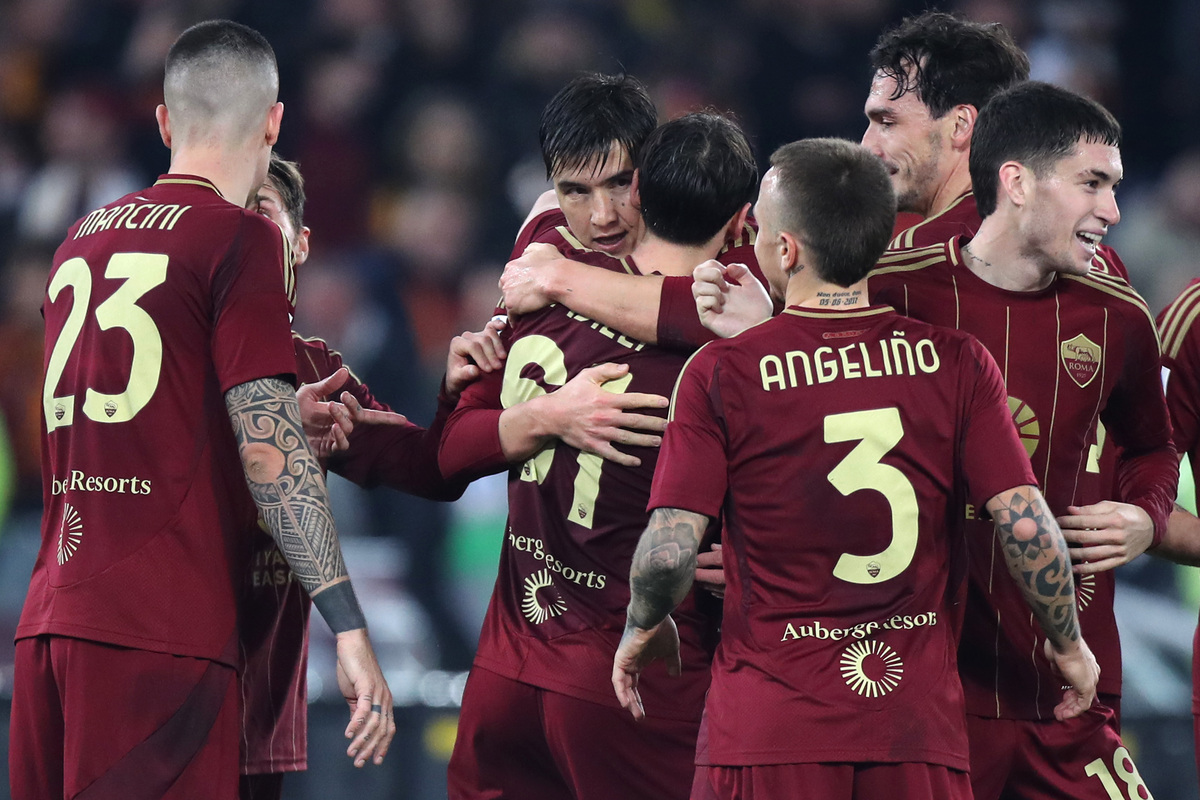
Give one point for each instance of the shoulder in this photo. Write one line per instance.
(916, 262)
(1177, 320)
(1112, 292)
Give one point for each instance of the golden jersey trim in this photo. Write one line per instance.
(679, 379)
(904, 239)
(1177, 322)
(191, 182)
(1115, 286)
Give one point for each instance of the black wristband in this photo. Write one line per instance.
(339, 608)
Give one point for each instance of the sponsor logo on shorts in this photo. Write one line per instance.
(70, 533)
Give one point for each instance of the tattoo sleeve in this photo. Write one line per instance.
(288, 487)
(664, 565)
(1037, 558)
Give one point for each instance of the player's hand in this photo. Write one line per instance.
(637, 649)
(526, 279)
(356, 414)
(710, 573)
(729, 299)
(372, 718)
(473, 354)
(1105, 535)
(591, 418)
(1078, 667)
(324, 426)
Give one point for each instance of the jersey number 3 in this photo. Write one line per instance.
(140, 272)
(877, 432)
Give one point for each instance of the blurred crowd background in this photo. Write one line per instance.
(415, 125)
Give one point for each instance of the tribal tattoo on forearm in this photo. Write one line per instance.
(664, 565)
(1037, 556)
(286, 481)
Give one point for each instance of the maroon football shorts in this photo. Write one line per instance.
(903, 781)
(1081, 758)
(264, 786)
(519, 741)
(92, 721)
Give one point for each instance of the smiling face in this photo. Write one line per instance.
(908, 140)
(1071, 208)
(598, 203)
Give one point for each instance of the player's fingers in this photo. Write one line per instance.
(610, 453)
(640, 400)
(363, 745)
(1092, 567)
(330, 384)
(736, 272)
(608, 371)
(630, 438)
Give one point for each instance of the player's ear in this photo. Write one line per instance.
(1014, 179)
(733, 229)
(274, 118)
(635, 195)
(164, 124)
(964, 125)
(790, 252)
(301, 249)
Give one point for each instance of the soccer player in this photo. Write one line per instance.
(1180, 337)
(127, 646)
(933, 73)
(537, 720)
(590, 135)
(396, 453)
(1078, 350)
(1079, 356)
(837, 441)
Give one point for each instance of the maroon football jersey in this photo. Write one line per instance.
(274, 632)
(156, 305)
(1181, 360)
(1080, 359)
(558, 607)
(961, 218)
(839, 445)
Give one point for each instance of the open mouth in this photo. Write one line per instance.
(1090, 240)
(608, 243)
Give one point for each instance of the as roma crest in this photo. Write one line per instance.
(1081, 356)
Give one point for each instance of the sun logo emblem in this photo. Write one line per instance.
(1085, 589)
(871, 668)
(535, 609)
(70, 533)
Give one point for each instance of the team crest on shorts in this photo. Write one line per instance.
(70, 533)
(1081, 356)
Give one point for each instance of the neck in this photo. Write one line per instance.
(667, 258)
(806, 291)
(233, 173)
(957, 183)
(997, 255)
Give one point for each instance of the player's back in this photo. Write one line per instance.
(157, 304)
(847, 435)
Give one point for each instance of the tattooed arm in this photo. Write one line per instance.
(663, 568)
(1038, 560)
(289, 489)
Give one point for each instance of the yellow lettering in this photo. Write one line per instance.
(773, 376)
